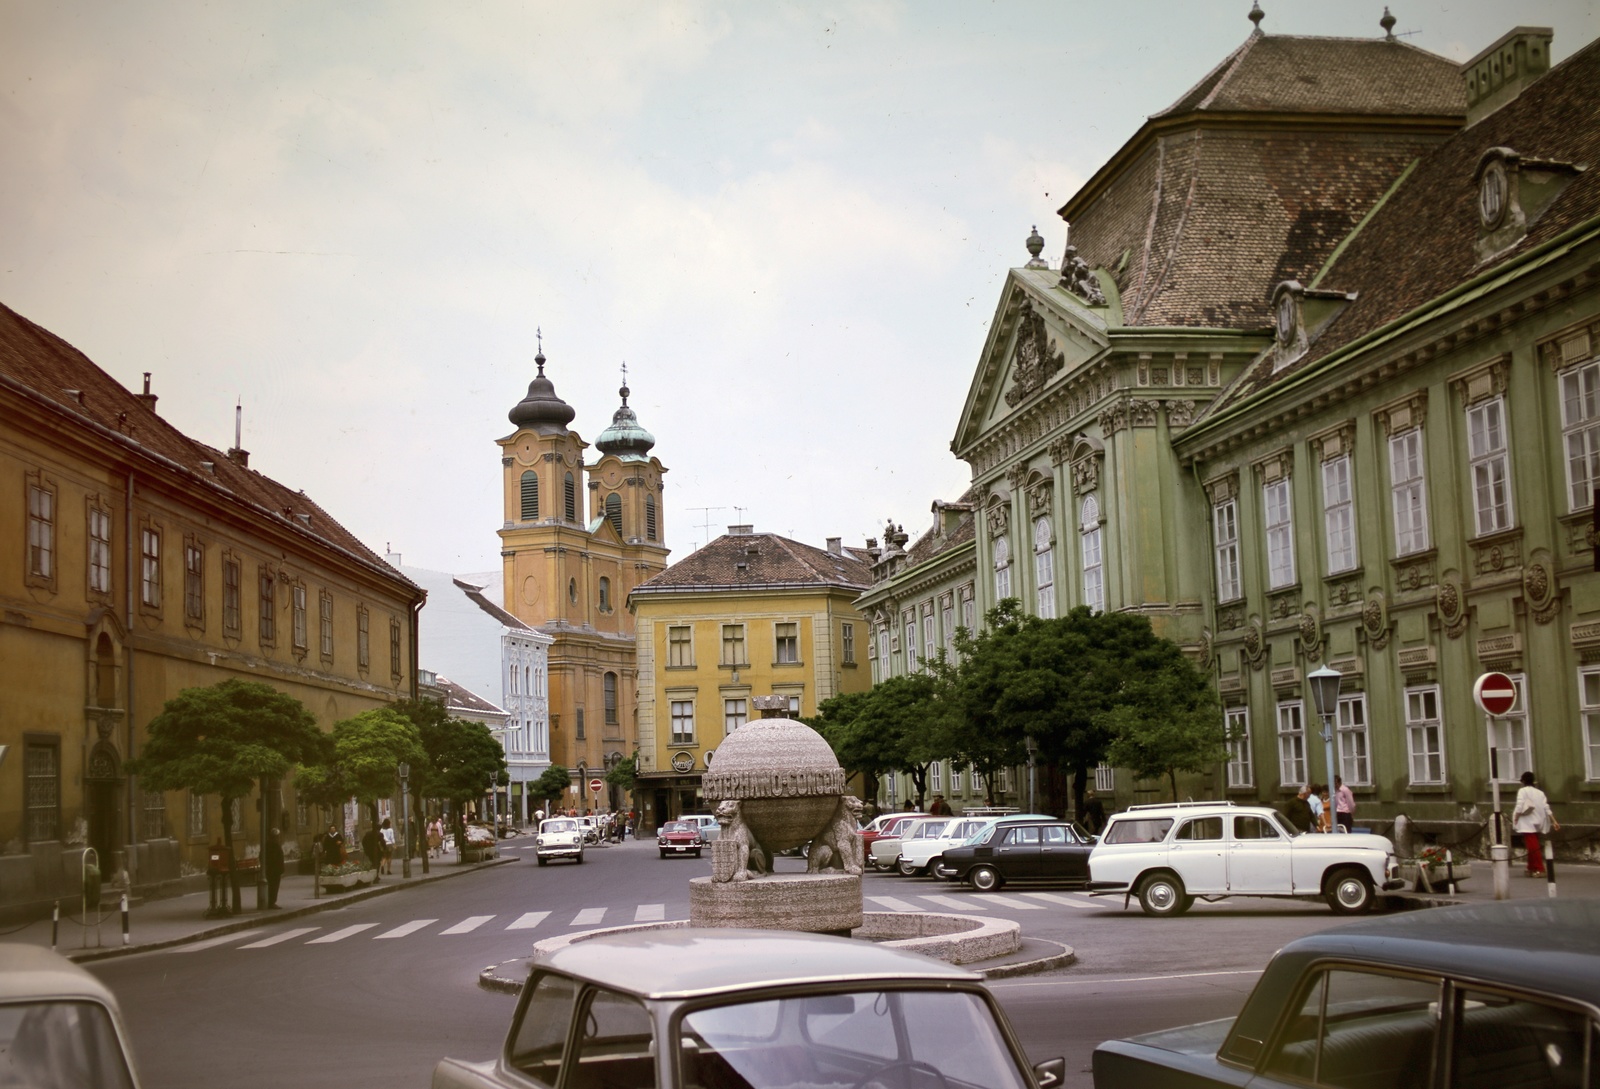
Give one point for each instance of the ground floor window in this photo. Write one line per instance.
(1105, 779)
(1424, 735)
(1589, 702)
(1510, 732)
(735, 713)
(155, 815)
(1355, 761)
(196, 824)
(1240, 771)
(42, 767)
(1291, 744)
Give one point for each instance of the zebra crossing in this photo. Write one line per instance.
(591, 917)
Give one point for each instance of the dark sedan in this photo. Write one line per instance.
(680, 838)
(1485, 996)
(1055, 851)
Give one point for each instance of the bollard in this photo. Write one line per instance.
(1450, 871)
(316, 871)
(124, 918)
(1549, 867)
(1500, 859)
(55, 925)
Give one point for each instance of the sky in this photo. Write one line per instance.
(790, 220)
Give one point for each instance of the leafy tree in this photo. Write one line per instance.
(222, 739)
(462, 757)
(554, 783)
(895, 726)
(624, 774)
(366, 751)
(1167, 721)
(860, 752)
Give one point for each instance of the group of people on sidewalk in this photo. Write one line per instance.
(1315, 809)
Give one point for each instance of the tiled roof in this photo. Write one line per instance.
(457, 698)
(1422, 243)
(932, 544)
(760, 559)
(1283, 73)
(1197, 219)
(55, 371)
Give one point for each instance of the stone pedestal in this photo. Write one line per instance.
(816, 903)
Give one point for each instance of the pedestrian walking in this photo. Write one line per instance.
(1344, 805)
(435, 837)
(272, 866)
(1094, 813)
(372, 847)
(386, 830)
(332, 844)
(1532, 820)
(1298, 809)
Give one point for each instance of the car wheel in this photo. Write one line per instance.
(580, 858)
(1349, 892)
(543, 861)
(663, 852)
(1162, 895)
(697, 852)
(907, 868)
(985, 879)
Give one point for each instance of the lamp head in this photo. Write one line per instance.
(1324, 685)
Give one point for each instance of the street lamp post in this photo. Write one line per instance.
(405, 820)
(1324, 685)
(1033, 748)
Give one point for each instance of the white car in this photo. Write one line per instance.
(886, 852)
(709, 828)
(1169, 855)
(919, 853)
(59, 1025)
(559, 837)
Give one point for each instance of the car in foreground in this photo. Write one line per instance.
(1481, 995)
(1020, 850)
(921, 853)
(558, 837)
(751, 1009)
(1169, 855)
(679, 838)
(59, 1025)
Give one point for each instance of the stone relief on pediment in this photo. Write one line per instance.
(1035, 360)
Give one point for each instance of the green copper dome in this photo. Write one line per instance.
(625, 437)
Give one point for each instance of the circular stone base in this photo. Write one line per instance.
(814, 902)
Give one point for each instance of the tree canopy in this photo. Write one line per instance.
(897, 725)
(365, 752)
(554, 783)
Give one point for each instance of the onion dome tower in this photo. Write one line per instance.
(625, 438)
(542, 410)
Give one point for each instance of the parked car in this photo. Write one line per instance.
(590, 828)
(756, 1009)
(885, 853)
(921, 851)
(709, 828)
(59, 1025)
(1055, 851)
(679, 838)
(1483, 995)
(886, 825)
(1168, 855)
(559, 837)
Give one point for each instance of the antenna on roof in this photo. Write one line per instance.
(706, 525)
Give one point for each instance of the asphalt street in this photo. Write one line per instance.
(375, 992)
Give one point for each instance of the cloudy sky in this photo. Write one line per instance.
(790, 220)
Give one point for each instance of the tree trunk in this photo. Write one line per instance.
(233, 862)
(1172, 777)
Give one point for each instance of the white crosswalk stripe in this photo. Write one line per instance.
(649, 913)
(405, 928)
(951, 902)
(992, 899)
(467, 925)
(528, 920)
(341, 935)
(893, 903)
(1058, 898)
(209, 943)
(287, 935)
(589, 917)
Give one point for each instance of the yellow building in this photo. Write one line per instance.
(576, 540)
(750, 615)
(138, 562)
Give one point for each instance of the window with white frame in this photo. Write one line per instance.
(194, 586)
(908, 639)
(733, 645)
(947, 615)
(232, 596)
(196, 822)
(977, 779)
(1291, 744)
(1580, 432)
(41, 532)
(735, 713)
(1089, 539)
(1275, 502)
(363, 637)
(325, 623)
(1105, 778)
(682, 722)
(1424, 735)
(955, 777)
(1002, 569)
(1589, 711)
(1225, 539)
(928, 640)
(1510, 733)
(99, 550)
(1044, 565)
(794, 706)
(969, 611)
(1002, 781)
(1339, 514)
(150, 567)
(936, 777)
(297, 598)
(680, 645)
(847, 643)
(1409, 492)
(1490, 463)
(266, 616)
(1240, 771)
(1355, 760)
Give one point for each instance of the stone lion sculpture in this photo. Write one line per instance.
(736, 854)
(839, 845)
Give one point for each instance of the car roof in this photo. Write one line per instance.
(33, 972)
(686, 962)
(1551, 946)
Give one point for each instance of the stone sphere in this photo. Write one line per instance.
(784, 777)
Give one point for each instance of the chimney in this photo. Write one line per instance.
(239, 457)
(836, 545)
(147, 397)
(741, 531)
(1498, 74)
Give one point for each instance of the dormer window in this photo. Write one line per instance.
(1288, 333)
(1514, 191)
(1493, 194)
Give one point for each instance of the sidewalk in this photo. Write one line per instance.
(154, 924)
(1573, 880)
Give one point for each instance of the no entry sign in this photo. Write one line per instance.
(1494, 693)
(596, 785)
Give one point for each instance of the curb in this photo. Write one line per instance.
(83, 955)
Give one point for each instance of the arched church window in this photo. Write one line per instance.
(1002, 568)
(1044, 568)
(611, 698)
(605, 594)
(614, 512)
(571, 499)
(1094, 587)
(650, 517)
(530, 496)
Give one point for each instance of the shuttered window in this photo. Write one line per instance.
(614, 512)
(571, 499)
(530, 496)
(650, 517)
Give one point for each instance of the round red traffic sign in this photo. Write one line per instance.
(595, 786)
(1494, 693)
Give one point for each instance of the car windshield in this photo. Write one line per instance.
(60, 1045)
(897, 1039)
(557, 826)
(927, 830)
(1139, 830)
(680, 826)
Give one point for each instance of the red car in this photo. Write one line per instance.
(678, 838)
(881, 827)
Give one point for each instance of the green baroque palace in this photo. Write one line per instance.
(1316, 382)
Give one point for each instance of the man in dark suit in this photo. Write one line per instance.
(272, 866)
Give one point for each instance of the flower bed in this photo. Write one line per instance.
(345, 875)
